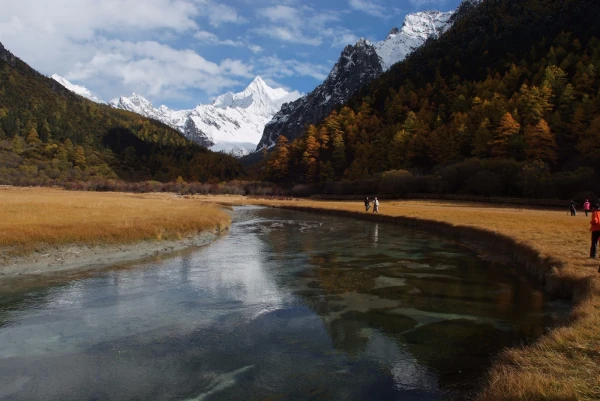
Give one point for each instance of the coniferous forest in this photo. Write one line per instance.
(506, 103)
(50, 135)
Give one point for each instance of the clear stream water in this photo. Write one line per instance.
(287, 306)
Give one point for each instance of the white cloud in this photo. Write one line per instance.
(53, 36)
(289, 34)
(115, 47)
(154, 69)
(281, 13)
(343, 39)
(301, 25)
(218, 13)
(255, 49)
(76, 38)
(422, 3)
(212, 39)
(236, 68)
(369, 6)
(273, 67)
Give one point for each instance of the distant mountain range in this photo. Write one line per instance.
(232, 124)
(239, 123)
(49, 135)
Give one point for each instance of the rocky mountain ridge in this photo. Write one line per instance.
(357, 66)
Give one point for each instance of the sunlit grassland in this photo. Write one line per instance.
(31, 218)
(565, 363)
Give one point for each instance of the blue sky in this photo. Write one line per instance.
(185, 52)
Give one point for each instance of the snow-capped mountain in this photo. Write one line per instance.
(233, 123)
(357, 66)
(416, 29)
(78, 89)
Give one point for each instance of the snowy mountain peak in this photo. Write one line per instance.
(258, 97)
(135, 103)
(416, 29)
(426, 23)
(78, 89)
(362, 42)
(233, 123)
(258, 84)
(260, 88)
(393, 32)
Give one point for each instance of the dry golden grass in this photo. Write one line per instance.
(32, 217)
(562, 365)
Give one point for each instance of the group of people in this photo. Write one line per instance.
(587, 207)
(375, 204)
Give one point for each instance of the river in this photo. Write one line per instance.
(287, 306)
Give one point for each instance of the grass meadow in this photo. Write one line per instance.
(32, 218)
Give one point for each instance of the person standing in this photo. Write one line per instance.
(367, 203)
(572, 208)
(586, 207)
(595, 229)
(375, 205)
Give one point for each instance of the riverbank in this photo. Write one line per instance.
(551, 246)
(86, 257)
(48, 230)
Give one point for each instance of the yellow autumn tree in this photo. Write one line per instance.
(311, 154)
(508, 127)
(278, 163)
(541, 144)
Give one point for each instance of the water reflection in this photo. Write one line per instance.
(288, 306)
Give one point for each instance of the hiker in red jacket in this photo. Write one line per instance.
(595, 229)
(586, 207)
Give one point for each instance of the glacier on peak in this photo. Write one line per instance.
(416, 29)
(77, 89)
(233, 123)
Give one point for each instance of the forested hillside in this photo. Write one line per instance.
(506, 102)
(49, 134)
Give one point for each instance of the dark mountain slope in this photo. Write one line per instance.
(49, 133)
(510, 80)
(494, 34)
(357, 66)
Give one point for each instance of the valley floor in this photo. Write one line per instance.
(49, 229)
(46, 230)
(562, 365)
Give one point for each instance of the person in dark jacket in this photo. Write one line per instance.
(572, 208)
(367, 203)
